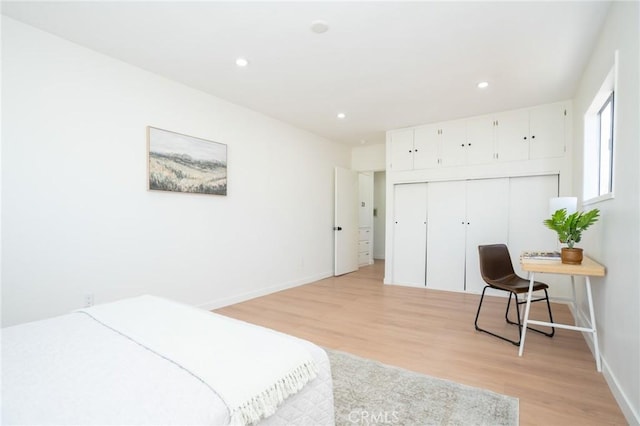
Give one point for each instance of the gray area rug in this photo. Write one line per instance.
(367, 392)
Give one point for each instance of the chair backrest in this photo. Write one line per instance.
(495, 262)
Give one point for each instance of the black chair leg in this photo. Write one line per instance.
(553, 330)
(545, 298)
(519, 323)
(493, 334)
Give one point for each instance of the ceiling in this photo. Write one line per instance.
(385, 65)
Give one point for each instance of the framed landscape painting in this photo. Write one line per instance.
(182, 163)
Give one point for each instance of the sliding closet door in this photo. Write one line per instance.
(410, 234)
(528, 207)
(446, 227)
(487, 223)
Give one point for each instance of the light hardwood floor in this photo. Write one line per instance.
(432, 332)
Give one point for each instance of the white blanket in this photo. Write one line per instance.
(252, 369)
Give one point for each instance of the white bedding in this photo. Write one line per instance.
(73, 370)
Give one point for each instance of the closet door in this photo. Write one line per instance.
(528, 207)
(487, 223)
(446, 226)
(410, 234)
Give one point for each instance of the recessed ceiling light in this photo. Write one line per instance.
(342, 115)
(483, 85)
(242, 62)
(319, 26)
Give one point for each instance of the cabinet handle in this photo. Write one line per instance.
(410, 151)
(469, 144)
(415, 150)
(462, 145)
(533, 137)
(525, 138)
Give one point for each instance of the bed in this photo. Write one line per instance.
(148, 360)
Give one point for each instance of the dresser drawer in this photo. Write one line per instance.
(363, 246)
(363, 258)
(365, 233)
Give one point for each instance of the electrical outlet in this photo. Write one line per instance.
(88, 300)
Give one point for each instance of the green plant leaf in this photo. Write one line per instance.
(569, 228)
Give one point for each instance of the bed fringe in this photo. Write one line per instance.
(266, 403)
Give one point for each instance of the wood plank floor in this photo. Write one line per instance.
(432, 332)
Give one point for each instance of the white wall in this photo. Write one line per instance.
(76, 215)
(615, 240)
(368, 158)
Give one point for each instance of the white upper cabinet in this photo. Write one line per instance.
(531, 134)
(453, 143)
(546, 126)
(481, 140)
(427, 147)
(512, 135)
(402, 149)
(518, 135)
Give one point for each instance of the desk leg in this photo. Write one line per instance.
(596, 347)
(574, 301)
(526, 313)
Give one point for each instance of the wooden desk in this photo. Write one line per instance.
(588, 268)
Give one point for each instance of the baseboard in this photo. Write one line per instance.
(632, 416)
(226, 301)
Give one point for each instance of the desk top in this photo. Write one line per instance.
(588, 267)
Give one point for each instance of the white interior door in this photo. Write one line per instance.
(410, 234)
(346, 221)
(487, 223)
(446, 227)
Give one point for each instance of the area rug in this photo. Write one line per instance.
(367, 392)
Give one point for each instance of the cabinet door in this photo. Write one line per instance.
(453, 136)
(480, 146)
(410, 234)
(546, 126)
(402, 150)
(512, 135)
(426, 147)
(528, 207)
(487, 223)
(446, 226)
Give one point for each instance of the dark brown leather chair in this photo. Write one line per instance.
(497, 271)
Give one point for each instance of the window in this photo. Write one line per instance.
(605, 120)
(599, 142)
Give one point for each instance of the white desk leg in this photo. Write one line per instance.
(596, 347)
(526, 313)
(574, 302)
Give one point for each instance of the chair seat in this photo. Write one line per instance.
(515, 284)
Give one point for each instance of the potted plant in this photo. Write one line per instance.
(569, 229)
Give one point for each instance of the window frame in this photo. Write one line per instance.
(604, 96)
(608, 102)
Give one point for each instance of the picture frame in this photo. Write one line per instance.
(183, 163)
